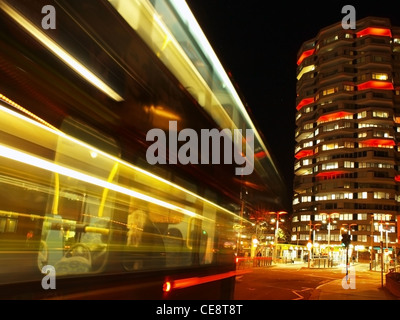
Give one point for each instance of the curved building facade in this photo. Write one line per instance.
(348, 136)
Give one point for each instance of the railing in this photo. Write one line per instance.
(245, 262)
(322, 263)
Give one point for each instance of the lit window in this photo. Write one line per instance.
(349, 164)
(382, 134)
(381, 216)
(305, 217)
(380, 114)
(361, 115)
(330, 146)
(367, 125)
(381, 195)
(362, 216)
(308, 109)
(346, 216)
(330, 166)
(330, 91)
(380, 76)
(308, 126)
(363, 195)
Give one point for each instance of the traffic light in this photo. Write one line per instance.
(346, 239)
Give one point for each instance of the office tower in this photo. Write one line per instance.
(348, 137)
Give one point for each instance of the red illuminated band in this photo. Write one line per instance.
(371, 31)
(189, 282)
(330, 174)
(304, 102)
(334, 116)
(304, 55)
(381, 85)
(377, 142)
(260, 155)
(303, 154)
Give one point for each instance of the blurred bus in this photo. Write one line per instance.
(78, 200)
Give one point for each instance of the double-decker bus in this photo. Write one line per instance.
(83, 214)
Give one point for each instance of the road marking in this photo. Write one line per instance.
(300, 297)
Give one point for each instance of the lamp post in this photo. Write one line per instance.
(309, 245)
(276, 233)
(313, 227)
(329, 215)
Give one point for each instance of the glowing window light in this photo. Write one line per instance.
(373, 31)
(59, 51)
(304, 55)
(380, 76)
(381, 85)
(304, 103)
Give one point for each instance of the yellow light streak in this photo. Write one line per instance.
(105, 191)
(122, 162)
(60, 52)
(20, 108)
(49, 166)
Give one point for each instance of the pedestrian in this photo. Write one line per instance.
(259, 255)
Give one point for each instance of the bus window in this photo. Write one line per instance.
(144, 247)
(75, 235)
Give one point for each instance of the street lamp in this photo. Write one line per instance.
(313, 227)
(329, 223)
(309, 245)
(276, 233)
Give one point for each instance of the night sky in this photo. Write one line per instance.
(258, 44)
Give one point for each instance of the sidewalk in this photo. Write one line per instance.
(362, 284)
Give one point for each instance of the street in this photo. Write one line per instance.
(297, 282)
